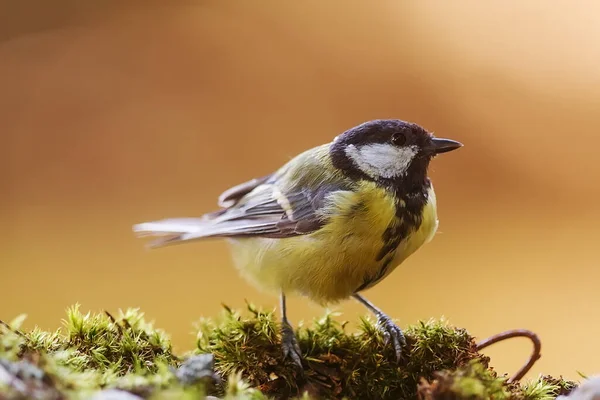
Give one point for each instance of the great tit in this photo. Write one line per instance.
(330, 223)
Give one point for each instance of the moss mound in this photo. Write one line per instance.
(238, 356)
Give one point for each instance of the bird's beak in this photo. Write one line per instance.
(440, 145)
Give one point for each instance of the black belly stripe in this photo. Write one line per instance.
(392, 237)
(372, 280)
(409, 216)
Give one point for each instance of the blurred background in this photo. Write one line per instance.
(115, 112)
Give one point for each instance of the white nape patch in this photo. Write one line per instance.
(382, 160)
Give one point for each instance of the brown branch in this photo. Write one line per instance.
(535, 355)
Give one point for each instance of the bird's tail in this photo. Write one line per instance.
(175, 230)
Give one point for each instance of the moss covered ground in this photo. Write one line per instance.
(238, 356)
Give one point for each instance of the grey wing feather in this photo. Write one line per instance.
(265, 211)
(268, 212)
(232, 195)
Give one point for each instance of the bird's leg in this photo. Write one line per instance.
(386, 326)
(288, 339)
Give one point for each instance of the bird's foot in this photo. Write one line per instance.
(290, 345)
(391, 332)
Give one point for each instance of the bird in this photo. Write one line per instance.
(330, 223)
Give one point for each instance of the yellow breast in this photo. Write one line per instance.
(331, 263)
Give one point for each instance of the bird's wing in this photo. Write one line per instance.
(270, 211)
(266, 211)
(287, 203)
(231, 196)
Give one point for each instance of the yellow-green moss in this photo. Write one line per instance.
(95, 352)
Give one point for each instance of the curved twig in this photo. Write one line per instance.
(535, 355)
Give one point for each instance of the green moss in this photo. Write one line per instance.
(470, 381)
(120, 345)
(95, 352)
(338, 363)
(474, 381)
(547, 387)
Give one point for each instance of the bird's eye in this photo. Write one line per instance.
(398, 139)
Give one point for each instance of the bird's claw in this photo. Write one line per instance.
(391, 332)
(290, 345)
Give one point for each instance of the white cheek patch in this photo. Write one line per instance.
(382, 160)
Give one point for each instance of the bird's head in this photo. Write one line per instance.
(388, 150)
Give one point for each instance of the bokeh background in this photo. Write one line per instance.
(115, 112)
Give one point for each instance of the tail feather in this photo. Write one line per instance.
(173, 230)
(177, 230)
(171, 225)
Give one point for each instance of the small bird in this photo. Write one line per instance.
(330, 223)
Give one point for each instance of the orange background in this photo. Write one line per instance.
(119, 113)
